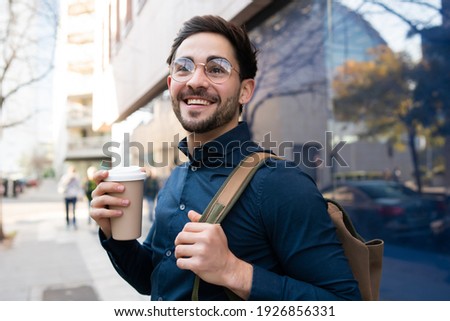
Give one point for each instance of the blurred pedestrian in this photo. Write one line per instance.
(396, 174)
(151, 189)
(70, 186)
(89, 186)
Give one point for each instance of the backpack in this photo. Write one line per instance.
(365, 258)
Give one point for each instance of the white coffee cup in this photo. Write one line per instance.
(129, 225)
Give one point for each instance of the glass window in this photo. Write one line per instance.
(376, 74)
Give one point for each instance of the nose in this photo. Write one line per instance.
(198, 78)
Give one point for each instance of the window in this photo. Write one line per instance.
(120, 23)
(114, 27)
(125, 15)
(141, 4)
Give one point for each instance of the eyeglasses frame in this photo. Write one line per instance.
(204, 70)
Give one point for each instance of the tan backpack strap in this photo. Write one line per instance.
(232, 188)
(226, 197)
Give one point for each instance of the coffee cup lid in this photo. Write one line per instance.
(126, 173)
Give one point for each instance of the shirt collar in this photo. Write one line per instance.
(228, 149)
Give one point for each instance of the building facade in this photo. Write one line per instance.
(77, 142)
(300, 43)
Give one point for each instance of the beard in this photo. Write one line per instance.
(223, 114)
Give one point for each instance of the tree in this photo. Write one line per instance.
(379, 93)
(26, 28)
(431, 96)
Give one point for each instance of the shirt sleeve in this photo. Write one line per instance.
(132, 260)
(304, 240)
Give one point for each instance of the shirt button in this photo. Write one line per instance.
(193, 168)
(168, 253)
(182, 207)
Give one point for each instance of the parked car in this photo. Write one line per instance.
(387, 209)
(441, 233)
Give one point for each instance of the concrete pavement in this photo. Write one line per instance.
(47, 261)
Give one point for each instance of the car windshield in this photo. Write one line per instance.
(383, 191)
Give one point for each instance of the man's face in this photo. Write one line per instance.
(200, 105)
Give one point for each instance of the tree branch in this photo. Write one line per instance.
(17, 47)
(422, 3)
(16, 122)
(397, 14)
(20, 121)
(29, 82)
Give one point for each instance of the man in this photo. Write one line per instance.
(151, 188)
(89, 186)
(277, 243)
(70, 186)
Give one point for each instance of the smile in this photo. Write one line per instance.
(198, 101)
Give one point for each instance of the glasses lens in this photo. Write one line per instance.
(218, 70)
(182, 69)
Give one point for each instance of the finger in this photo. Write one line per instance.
(184, 251)
(107, 187)
(100, 176)
(186, 238)
(105, 201)
(184, 263)
(102, 218)
(102, 213)
(195, 227)
(192, 263)
(199, 227)
(194, 216)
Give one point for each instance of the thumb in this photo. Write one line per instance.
(194, 216)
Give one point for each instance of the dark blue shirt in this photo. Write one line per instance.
(280, 225)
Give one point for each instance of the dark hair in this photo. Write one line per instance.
(243, 48)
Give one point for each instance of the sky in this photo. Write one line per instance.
(391, 28)
(21, 141)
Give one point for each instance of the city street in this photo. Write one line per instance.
(412, 275)
(47, 261)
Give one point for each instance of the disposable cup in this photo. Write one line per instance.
(129, 225)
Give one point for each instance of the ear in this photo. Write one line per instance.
(247, 89)
(169, 81)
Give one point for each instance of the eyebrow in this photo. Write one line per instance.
(208, 59)
(217, 57)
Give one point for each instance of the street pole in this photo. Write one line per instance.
(2, 234)
(330, 73)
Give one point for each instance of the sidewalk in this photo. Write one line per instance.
(47, 261)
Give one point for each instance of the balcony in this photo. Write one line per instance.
(81, 38)
(79, 8)
(79, 115)
(86, 148)
(84, 68)
(80, 53)
(79, 84)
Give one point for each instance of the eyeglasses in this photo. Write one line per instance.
(218, 70)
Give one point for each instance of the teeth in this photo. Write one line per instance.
(198, 102)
